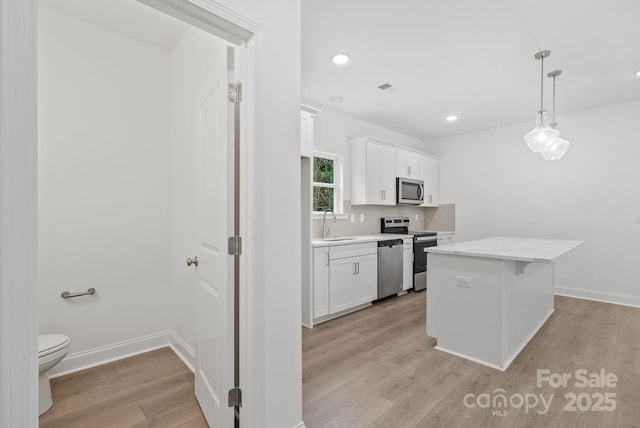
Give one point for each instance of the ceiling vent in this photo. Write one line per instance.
(384, 86)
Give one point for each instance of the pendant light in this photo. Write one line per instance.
(558, 147)
(541, 137)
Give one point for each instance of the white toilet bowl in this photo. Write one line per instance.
(52, 348)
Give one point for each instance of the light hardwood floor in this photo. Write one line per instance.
(378, 368)
(154, 389)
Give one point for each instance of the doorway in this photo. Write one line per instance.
(104, 146)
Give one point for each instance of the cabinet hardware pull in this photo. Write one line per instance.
(68, 295)
(193, 261)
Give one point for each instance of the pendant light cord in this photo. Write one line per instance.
(541, 84)
(554, 102)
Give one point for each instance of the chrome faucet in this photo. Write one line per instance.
(324, 222)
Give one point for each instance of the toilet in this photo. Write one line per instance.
(52, 348)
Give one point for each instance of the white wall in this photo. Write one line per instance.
(191, 59)
(593, 193)
(333, 130)
(103, 185)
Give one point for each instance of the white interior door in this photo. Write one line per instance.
(214, 308)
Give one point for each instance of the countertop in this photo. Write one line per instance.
(509, 248)
(359, 239)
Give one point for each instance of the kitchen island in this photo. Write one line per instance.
(487, 298)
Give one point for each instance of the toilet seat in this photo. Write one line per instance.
(51, 343)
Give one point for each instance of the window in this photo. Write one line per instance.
(327, 182)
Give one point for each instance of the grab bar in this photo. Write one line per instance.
(67, 295)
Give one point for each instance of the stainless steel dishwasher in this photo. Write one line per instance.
(389, 267)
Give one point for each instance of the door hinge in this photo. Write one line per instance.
(235, 397)
(235, 246)
(234, 91)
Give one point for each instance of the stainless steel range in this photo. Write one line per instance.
(421, 240)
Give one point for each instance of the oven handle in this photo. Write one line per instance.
(427, 239)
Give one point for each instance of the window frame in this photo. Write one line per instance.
(337, 185)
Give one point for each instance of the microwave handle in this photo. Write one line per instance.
(420, 191)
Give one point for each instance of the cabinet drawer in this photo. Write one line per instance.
(352, 250)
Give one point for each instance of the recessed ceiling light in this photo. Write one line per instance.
(638, 74)
(340, 58)
(337, 99)
(451, 118)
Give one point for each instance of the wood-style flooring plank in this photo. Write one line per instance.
(424, 387)
(154, 389)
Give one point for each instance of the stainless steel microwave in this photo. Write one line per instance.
(409, 191)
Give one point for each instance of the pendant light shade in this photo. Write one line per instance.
(539, 139)
(556, 150)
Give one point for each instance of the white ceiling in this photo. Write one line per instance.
(127, 17)
(467, 57)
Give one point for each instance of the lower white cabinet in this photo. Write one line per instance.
(407, 264)
(365, 286)
(320, 282)
(344, 277)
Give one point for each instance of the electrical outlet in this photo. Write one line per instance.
(361, 218)
(417, 217)
(353, 218)
(463, 281)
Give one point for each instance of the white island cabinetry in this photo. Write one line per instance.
(488, 298)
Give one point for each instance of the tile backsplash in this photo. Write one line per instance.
(441, 218)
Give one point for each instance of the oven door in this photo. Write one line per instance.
(409, 192)
(420, 260)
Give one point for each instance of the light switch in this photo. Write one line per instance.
(361, 218)
(353, 218)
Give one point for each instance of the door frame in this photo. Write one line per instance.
(18, 202)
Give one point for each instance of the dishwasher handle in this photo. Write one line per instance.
(390, 243)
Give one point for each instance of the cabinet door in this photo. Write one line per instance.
(320, 282)
(407, 267)
(430, 172)
(341, 273)
(306, 134)
(374, 174)
(388, 175)
(407, 164)
(365, 287)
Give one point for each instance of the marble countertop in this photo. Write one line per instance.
(358, 239)
(509, 248)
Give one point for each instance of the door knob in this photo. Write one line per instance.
(193, 261)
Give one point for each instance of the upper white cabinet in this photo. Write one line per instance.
(407, 164)
(307, 115)
(373, 172)
(430, 174)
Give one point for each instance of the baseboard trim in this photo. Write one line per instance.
(106, 354)
(300, 425)
(598, 296)
(183, 350)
